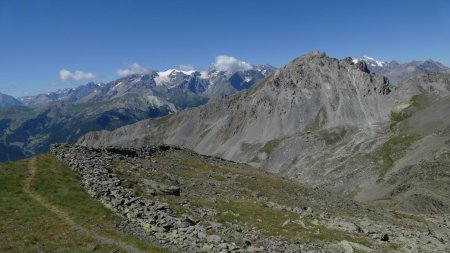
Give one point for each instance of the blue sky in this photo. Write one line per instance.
(40, 38)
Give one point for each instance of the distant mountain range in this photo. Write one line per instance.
(6, 100)
(164, 87)
(398, 72)
(29, 124)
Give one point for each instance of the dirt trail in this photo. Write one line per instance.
(63, 216)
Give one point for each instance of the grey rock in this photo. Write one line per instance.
(214, 239)
(161, 188)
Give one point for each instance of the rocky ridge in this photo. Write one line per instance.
(147, 219)
(151, 217)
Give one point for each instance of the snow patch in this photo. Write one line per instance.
(372, 61)
(164, 77)
(118, 85)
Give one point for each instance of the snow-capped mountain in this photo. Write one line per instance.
(370, 61)
(398, 72)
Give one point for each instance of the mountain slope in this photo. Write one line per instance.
(6, 100)
(397, 72)
(45, 209)
(319, 120)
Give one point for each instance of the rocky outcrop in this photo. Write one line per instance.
(153, 218)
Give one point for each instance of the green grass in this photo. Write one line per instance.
(162, 120)
(392, 150)
(418, 102)
(26, 226)
(245, 210)
(82, 107)
(29, 227)
(17, 115)
(397, 117)
(271, 145)
(267, 148)
(270, 222)
(188, 101)
(333, 136)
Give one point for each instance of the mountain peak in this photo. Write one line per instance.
(316, 53)
(370, 61)
(398, 72)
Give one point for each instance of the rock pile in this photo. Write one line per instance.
(154, 218)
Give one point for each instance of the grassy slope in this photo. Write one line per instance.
(235, 202)
(28, 227)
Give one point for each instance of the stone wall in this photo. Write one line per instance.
(153, 218)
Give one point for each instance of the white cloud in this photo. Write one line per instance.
(186, 67)
(229, 63)
(132, 69)
(66, 75)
